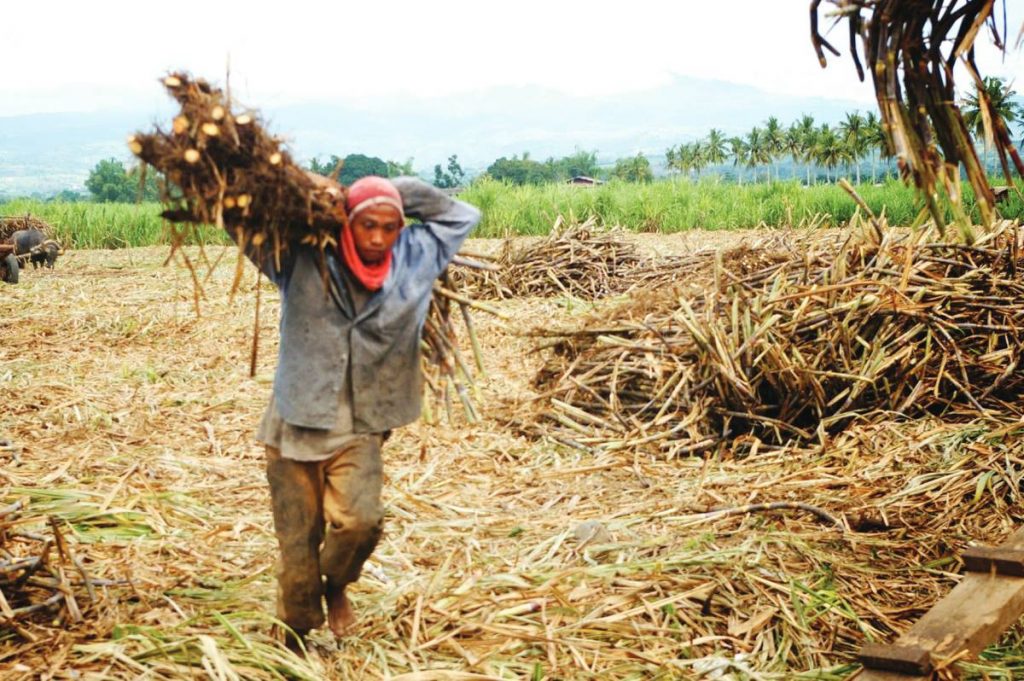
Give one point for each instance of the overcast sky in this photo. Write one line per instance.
(69, 55)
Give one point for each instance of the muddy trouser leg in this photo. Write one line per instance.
(296, 493)
(352, 509)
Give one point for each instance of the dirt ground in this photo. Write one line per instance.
(131, 420)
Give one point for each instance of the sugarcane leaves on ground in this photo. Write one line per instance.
(45, 574)
(482, 570)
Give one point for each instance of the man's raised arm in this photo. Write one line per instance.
(447, 221)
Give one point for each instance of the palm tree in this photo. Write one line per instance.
(848, 154)
(828, 149)
(774, 137)
(757, 153)
(700, 157)
(851, 132)
(1000, 96)
(793, 144)
(670, 159)
(874, 141)
(808, 134)
(678, 159)
(685, 158)
(715, 151)
(739, 152)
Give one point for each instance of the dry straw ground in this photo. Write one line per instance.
(129, 421)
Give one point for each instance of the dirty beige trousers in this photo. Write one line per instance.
(328, 519)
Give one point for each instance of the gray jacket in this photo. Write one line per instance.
(321, 336)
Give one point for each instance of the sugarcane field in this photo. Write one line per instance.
(747, 408)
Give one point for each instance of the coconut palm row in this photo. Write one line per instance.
(815, 147)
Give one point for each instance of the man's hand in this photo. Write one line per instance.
(420, 200)
(326, 184)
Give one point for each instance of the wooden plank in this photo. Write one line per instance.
(879, 675)
(896, 658)
(971, 617)
(1007, 562)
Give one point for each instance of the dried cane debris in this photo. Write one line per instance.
(581, 260)
(702, 566)
(591, 262)
(44, 578)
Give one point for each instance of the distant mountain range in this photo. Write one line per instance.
(45, 153)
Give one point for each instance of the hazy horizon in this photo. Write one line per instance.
(422, 81)
(46, 153)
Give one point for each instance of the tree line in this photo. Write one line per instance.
(110, 181)
(521, 169)
(803, 142)
(858, 137)
(804, 146)
(354, 166)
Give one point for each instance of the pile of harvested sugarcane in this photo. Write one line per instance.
(573, 259)
(887, 323)
(224, 168)
(582, 260)
(481, 276)
(694, 270)
(42, 577)
(588, 261)
(10, 225)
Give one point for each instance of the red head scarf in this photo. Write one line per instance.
(365, 193)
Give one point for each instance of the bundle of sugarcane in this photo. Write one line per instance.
(42, 578)
(911, 49)
(10, 225)
(898, 325)
(223, 168)
(582, 260)
(446, 372)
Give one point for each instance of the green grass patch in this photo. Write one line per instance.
(680, 204)
(671, 205)
(105, 225)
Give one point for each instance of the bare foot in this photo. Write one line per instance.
(295, 642)
(339, 612)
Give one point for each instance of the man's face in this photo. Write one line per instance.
(375, 230)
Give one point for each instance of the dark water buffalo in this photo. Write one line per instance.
(9, 268)
(25, 240)
(34, 244)
(45, 253)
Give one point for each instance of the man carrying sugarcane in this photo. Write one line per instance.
(348, 373)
